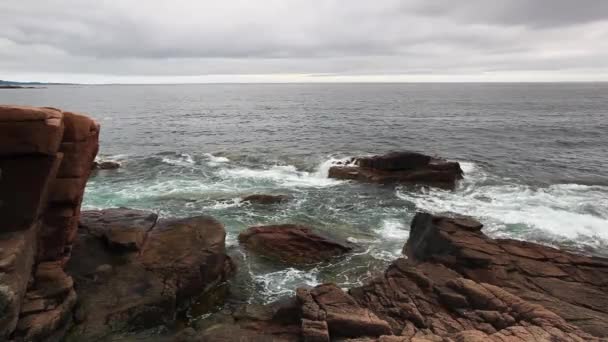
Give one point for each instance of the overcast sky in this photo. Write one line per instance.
(153, 41)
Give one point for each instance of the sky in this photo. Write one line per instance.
(199, 41)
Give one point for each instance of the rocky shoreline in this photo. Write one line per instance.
(103, 275)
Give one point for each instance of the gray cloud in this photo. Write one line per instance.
(339, 38)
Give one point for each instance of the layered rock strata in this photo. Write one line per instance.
(45, 161)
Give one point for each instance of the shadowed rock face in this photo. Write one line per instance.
(45, 161)
(456, 285)
(292, 244)
(401, 167)
(136, 280)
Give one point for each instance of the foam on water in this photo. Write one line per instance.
(393, 229)
(215, 160)
(284, 175)
(562, 211)
(281, 283)
(182, 159)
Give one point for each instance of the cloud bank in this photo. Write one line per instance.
(295, 40)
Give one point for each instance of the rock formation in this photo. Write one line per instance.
(292, 244)
(45, 161)
(456, 285)
(133, 272)
(401, 167)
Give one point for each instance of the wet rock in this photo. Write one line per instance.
(292, 244)
(265, 199)
(573, 287)
(401, 167)
(123, 290)
(105, 165)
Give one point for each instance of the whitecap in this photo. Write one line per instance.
(215, 160)
(182, 159)
(275, 285)
(393, 229)
(283, 175)
(570, 211)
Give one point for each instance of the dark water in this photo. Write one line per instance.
(535, 157)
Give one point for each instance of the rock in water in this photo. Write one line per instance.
(292, 244)
(106, 165)
(125, 290)
(265, 199)
(401, 167)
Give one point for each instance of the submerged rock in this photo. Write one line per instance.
(265, 199)
(105, 165)
(292, 244)
(401, 167)
(129, 289)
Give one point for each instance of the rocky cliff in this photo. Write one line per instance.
(45, 161)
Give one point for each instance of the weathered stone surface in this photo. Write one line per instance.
(48, 304)
(121, 228)
(456, 285)
(401, 167)
(17, 252)
(45, 157)
(343, 315)
(30, 130)
(572, 286)
(265, 199)
(128, 290)
(292, 244)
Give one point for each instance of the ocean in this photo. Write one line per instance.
(534, 155)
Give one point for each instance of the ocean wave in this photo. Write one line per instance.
(393, 229)
(285, 175)
(566, 211)
(213, 160)
(181, 159)
(277, 284)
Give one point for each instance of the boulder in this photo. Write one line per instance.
(126, 289)
(292, 244)
(401, 167)
(572, 286)
(265, 199)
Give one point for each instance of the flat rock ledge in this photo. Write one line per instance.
(292, 244)
(457, 285)
(402, 168)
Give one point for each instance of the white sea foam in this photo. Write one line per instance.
(569, 211)
(182, 159)
(393, 229)
(284, 282)
(215, 160)
(285, 175)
